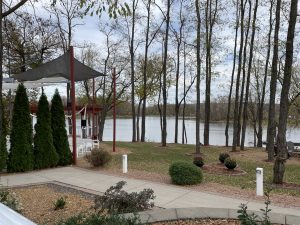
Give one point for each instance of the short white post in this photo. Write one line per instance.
(259, 181)
(124, 163)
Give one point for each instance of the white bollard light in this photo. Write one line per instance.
(259, 181)
(124, 163)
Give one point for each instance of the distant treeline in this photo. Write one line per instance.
(218, 110)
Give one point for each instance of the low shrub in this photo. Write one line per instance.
(60, 204)
(230, 163)
(94, 219)
(198, 161)
(98, 157)
(10, 200)
(183, 173)
(223, 156)
(116, 200)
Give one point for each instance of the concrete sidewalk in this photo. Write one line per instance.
(167, 196)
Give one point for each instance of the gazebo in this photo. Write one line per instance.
(62, 69)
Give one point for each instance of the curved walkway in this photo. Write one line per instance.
(167, 196)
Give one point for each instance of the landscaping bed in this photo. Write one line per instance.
(37, 202)
(200, 221)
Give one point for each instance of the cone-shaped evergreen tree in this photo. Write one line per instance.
(21, 156)
(3, 150)
(44, 152)
(59, 132)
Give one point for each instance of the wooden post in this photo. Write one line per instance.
(73, 104)
(114, 112)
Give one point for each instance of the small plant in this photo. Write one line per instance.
(198, 161)
(116, 200)
(98, 157)
(266, 210)
(230, 163)
(244, 217)
(184, 173)
(10, 200)
(60, 203)
(223, 156)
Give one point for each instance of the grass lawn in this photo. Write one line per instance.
(151, 157)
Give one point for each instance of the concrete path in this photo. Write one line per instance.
(167, 196)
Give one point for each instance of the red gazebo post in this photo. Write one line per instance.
(73, 104)
(114, 112)
(93, 111)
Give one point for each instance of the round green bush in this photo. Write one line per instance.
(223, 156)
(98, 157)
(183, 173)
(230, 163)
(198, 161)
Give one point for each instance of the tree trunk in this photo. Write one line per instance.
(245, 113)
(138, 120)
(236, 103)
(198, 79)
(101, 121)
(145, 74)
(164, 87)
(279, 166)
(133, 71)
(183, 134)
(232, 75)
(271, 118)
(262, 101)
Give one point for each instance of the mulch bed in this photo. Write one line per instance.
(38, 202)
(289, 186)
(200, 221)
(220, 169)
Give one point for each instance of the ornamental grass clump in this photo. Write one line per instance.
(98, 157)
(183, 173)
(223, 156)
(230, 163)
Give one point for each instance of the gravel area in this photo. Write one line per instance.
(38, 202)
(202, 222)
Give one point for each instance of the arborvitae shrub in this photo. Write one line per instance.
(223, 156)
(230, 163)
(183, 173)
(3, 150)
(59, 132)
(44, 152)
(20, 157)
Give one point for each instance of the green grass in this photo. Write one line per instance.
(151, 157)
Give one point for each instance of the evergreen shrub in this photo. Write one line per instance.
(59, 132)
(223, 156)
(230, 163)
(20, 156)
(183, 173)
(45, 155)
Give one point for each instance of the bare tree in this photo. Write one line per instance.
(279, 166)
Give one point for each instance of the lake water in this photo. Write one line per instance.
(153, 133)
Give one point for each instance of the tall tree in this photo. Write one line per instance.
(164, 71)
(279, 166)
(198, 76)
(260, 110)
(273, 83)
(237, 88)
(237, 15)
(245, 110)
(210, 21)
(59, 133)
(44, 152)
(20, 157)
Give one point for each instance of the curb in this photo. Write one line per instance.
(160, 215)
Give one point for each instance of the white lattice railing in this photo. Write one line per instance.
(10, 217)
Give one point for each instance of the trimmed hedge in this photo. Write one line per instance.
(198, 161)
(98, 157)
(183, 173)
(3, 149)
(230, 163)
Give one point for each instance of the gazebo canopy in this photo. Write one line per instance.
(58, 68)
